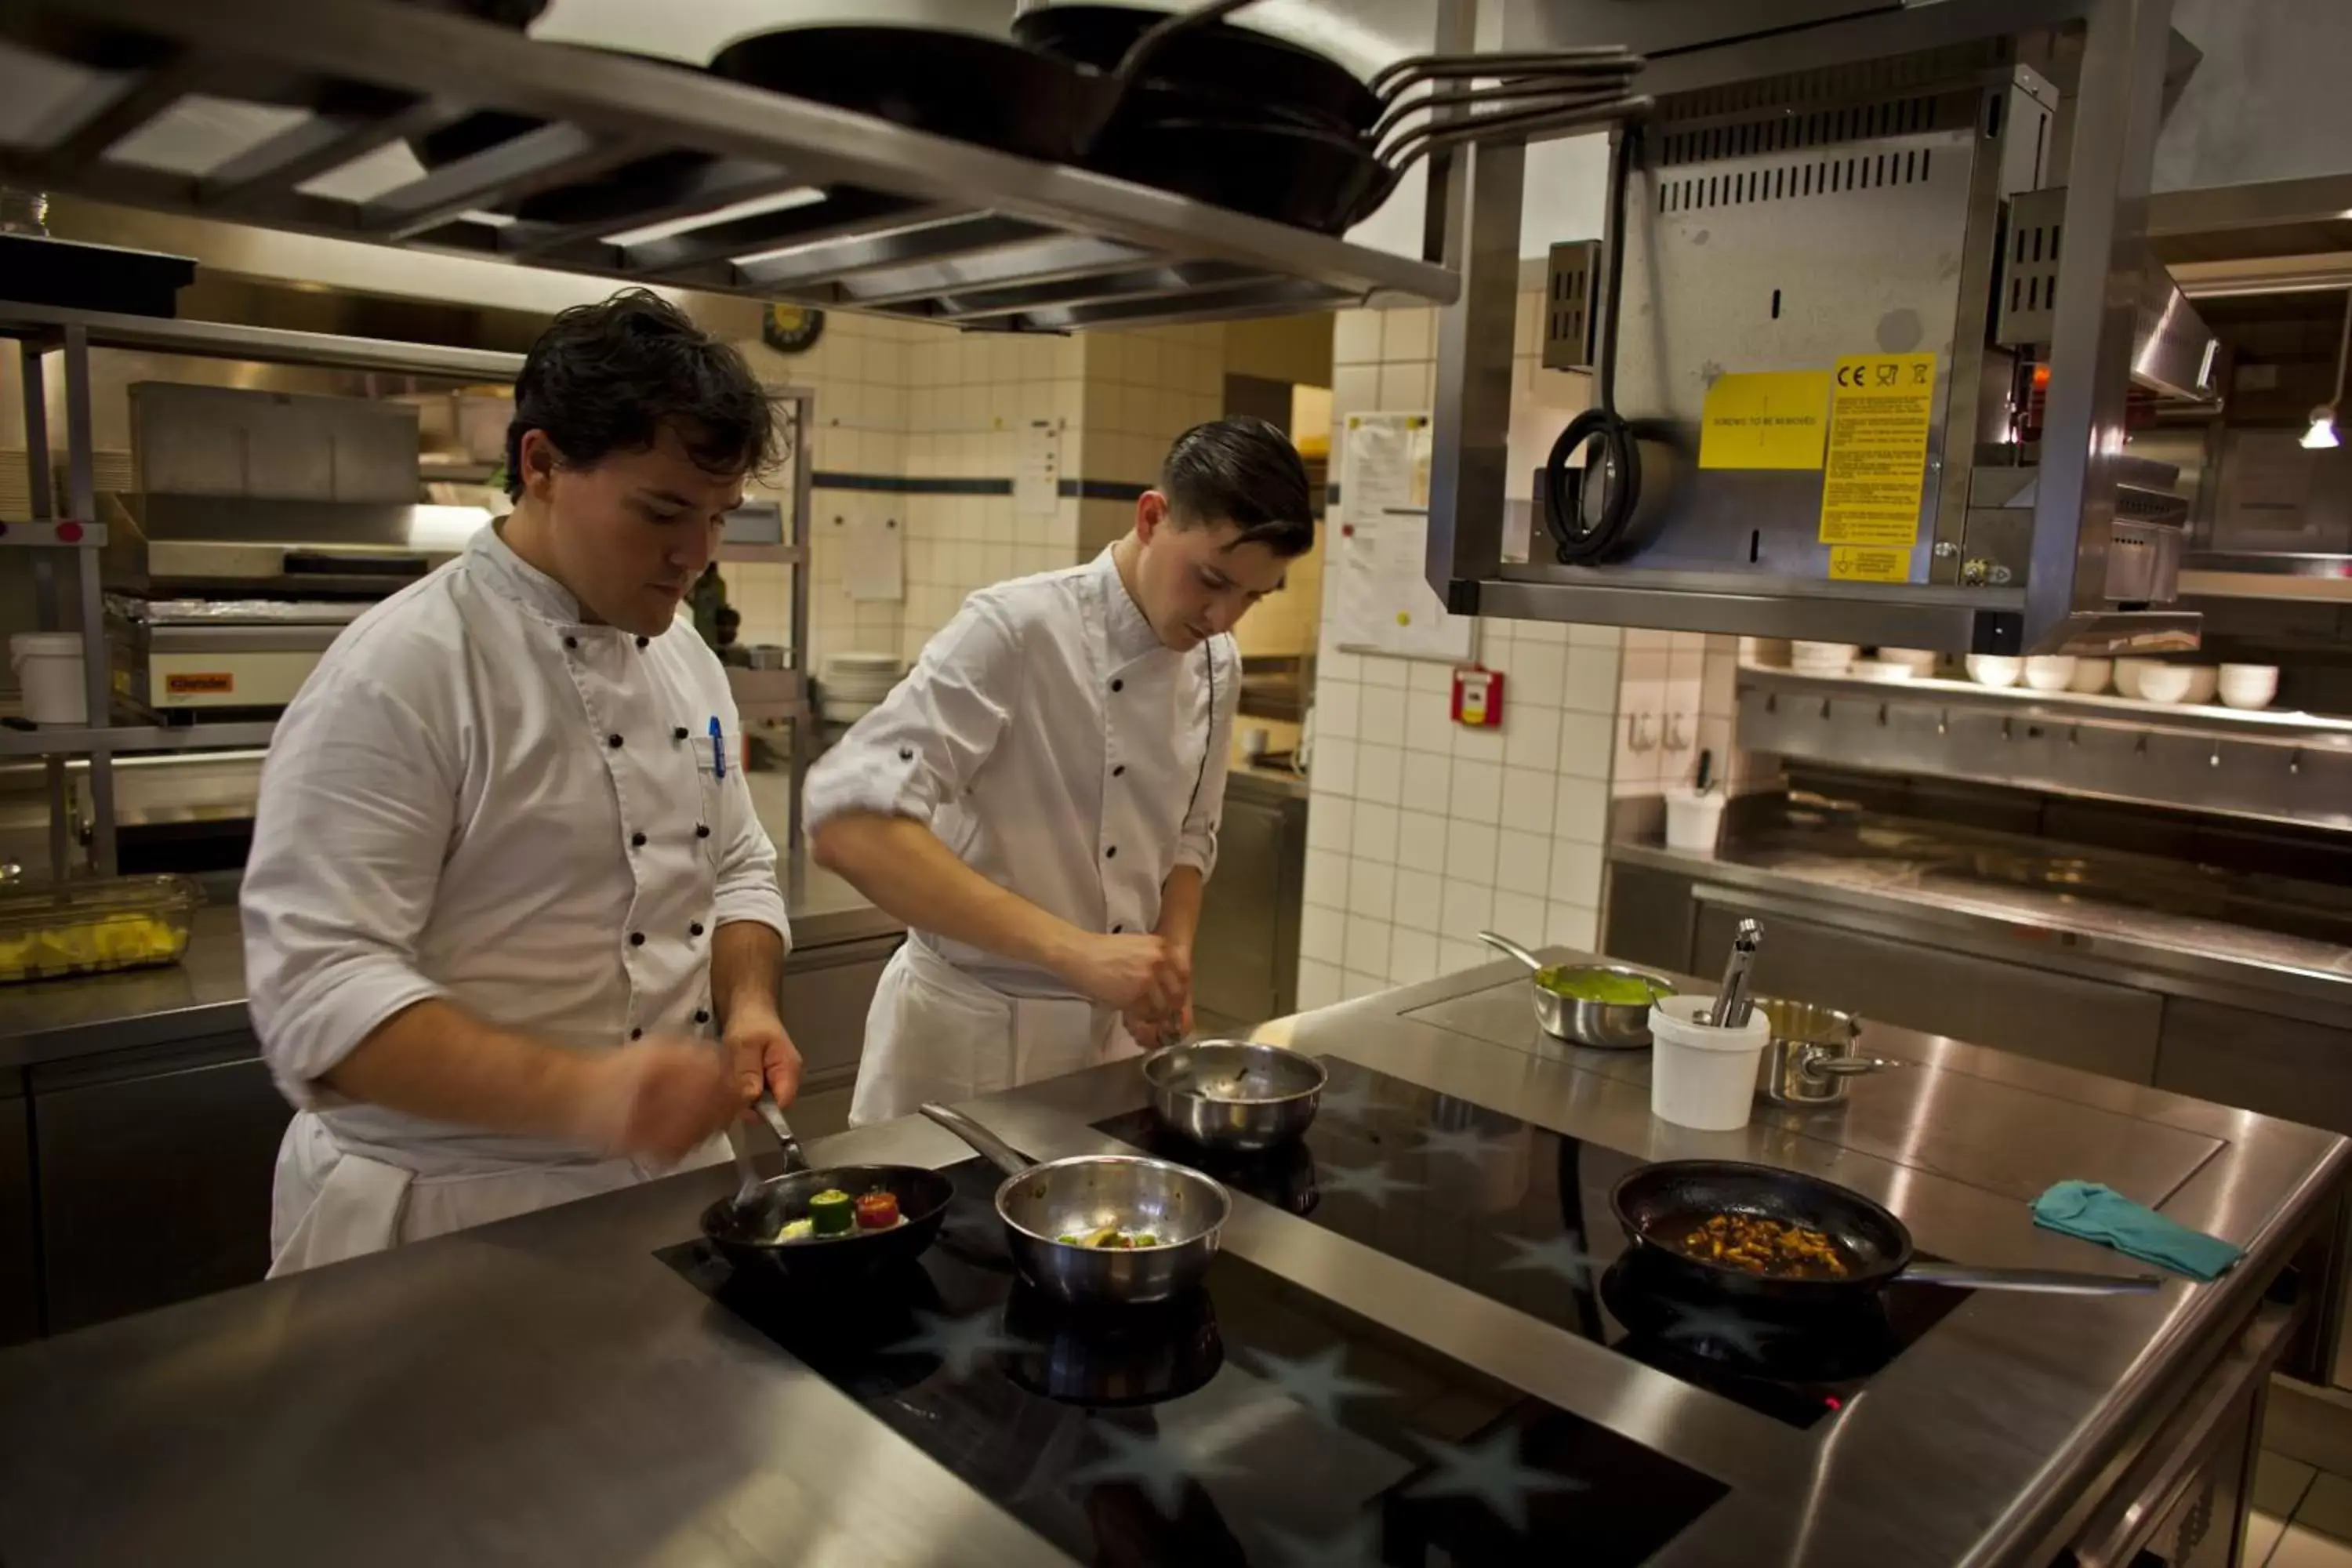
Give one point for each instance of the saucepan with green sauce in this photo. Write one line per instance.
(1606, 1005)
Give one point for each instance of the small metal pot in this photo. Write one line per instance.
(1605, 1025)
(1040, 1203)
(1235, 1095)
(1809, 1060)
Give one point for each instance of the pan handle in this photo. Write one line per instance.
(1000, 1154)
(1502, 943)
(773, 1115)
(1138, 54)
(2048, 1281)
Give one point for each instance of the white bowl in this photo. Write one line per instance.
(2091, 676)
(1994, 669)
(1917, 660)
(2050, 672)
(2248, 684)
(1878, 669)
(2127, 674)
(2204, 680)
(2165, 683)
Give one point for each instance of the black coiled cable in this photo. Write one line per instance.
(1614, 467)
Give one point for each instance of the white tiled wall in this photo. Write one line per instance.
(1420, 833)
(903, 400)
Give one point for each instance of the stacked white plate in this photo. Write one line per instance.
(855, 683)
(1822, 657)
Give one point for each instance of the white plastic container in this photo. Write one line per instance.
(1693, 819)
(48, 668)
(1701, 1076)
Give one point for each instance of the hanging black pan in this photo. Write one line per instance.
(1308, 178)
(1664, 1207)
(749, 1233)
(1216, 72)
(974, 89)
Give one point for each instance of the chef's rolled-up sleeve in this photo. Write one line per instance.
(922, 746)
(746, 888)
(357, 804)
(1196, 845)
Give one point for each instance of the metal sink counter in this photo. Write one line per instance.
(548, 1389)
(203, 993)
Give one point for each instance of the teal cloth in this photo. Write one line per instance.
(2092, 1213)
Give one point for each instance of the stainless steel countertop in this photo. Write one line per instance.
(203, 993)
(546, 1390)
(2159, 949)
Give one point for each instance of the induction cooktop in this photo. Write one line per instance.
(1521, 1215)
(1252, 1422)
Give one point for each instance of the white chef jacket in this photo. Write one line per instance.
(478, 797)
(1058, 748)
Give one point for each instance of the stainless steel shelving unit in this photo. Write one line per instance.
(71, 528)
(895, 221)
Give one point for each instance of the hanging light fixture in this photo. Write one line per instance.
(2322, 434)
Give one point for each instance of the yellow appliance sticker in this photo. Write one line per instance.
(1770, 419)
(1869, 564)
(1879, 409)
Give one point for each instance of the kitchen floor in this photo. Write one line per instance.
(2302, 1517)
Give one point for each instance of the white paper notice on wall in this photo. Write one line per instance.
(875, 566)
(1037, 482)
(1381, 601)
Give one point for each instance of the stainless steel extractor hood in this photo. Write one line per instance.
(1887, 310)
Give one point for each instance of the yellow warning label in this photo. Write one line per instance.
(1869, 564)
(1879, 408)
(1770, 419)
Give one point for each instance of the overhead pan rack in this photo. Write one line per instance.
(881, 218)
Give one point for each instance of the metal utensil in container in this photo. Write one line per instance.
(1810, 1061)
(1606, 1025)
(1182, 1210)
(1732, 1004)
(1235, 1095)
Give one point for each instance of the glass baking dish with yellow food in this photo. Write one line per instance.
(50, 929)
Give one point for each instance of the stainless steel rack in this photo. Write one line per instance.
(895, 221)
(67, 524)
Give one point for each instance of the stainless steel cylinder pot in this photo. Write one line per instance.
(1811, 1059)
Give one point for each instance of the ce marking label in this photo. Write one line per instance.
(1864, 376)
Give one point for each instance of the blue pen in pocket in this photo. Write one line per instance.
(717, 749)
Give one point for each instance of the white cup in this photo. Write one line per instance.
(1701, 1076)
(1994, 668)
(1694, 820)
(49, 669)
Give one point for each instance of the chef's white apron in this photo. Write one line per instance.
(347, 1204)
(934, 1033)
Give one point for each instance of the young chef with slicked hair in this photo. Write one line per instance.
(1039, 798)
(506, 882)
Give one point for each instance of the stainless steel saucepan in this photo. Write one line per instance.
(1180, 1212)
(1235, 1096)
(1605, 1025)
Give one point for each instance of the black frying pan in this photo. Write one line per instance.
(1659, 1205)
(745, 1233)
(1215, 72)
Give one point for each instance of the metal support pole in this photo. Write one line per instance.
(81, 493)
(804, 404)
(2112, 151)
(1472, 416)
(36, 477)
